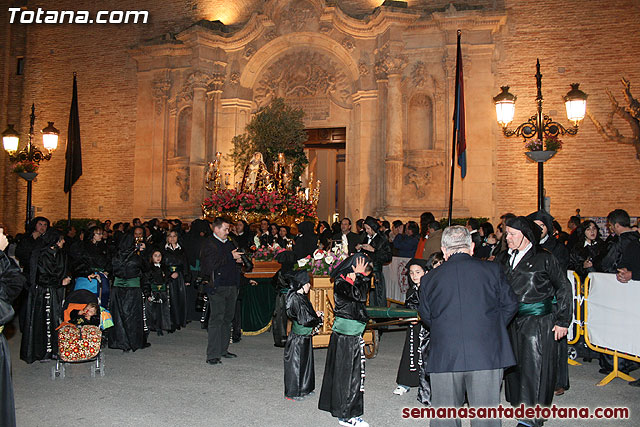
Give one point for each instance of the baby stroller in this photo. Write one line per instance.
(79, 344)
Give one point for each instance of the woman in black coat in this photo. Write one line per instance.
(588, 251)
(44, 305)
(377, 247)
(91, 264)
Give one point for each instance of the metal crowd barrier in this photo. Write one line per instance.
(617, 327)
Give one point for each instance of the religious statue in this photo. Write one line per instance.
(212, 175)
(256, 175)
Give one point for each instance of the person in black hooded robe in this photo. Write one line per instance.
(175, 259)
(280, 283)
(12, 282)
(342, 392)
(536, 278)
(44, 304)
(376, 246)
(545, 221)
(129, 331)
(194, 239)
(306, 242)
(299, 372)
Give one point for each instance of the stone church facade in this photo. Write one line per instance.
(178, 91)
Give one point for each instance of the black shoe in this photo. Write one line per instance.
(605, 371)
(635, 383)
(235, 340)
(146, 345)
(228, 355)
(214, 361)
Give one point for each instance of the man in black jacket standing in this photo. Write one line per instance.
(467, 303)
(221, 270)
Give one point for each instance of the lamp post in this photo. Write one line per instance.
(540, 126)
(30, 153)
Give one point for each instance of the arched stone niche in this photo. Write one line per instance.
(183, 137)
(420, 123)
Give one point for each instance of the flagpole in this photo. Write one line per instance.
(69, 211)
(455, 135)
(73, 166)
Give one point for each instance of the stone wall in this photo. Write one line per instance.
(593, 46)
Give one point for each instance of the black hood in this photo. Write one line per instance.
(50, 237)
(543, 216)
(346, 266)
(373, 223)
(297, 279)
(126, 242)
(200, 226)
(529, 229)
(305, 228)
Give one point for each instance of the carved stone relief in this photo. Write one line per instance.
(199, 79)
(348, 44)
(182, 181)
(420, 178)
(296, 15)
(249, 51)
(388, 62)
(363, 69)
(160, 90)
(304, 75)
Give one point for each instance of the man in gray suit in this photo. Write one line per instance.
(467, 304)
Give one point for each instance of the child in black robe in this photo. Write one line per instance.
(342, 391)
(412, 369)
(299, 372)
(157, 304)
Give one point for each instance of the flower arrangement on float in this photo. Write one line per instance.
(251, 206)
(323, 262)
(267, 253)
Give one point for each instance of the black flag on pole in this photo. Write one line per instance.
(73, 168)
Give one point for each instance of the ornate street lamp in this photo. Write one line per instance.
(30, 153)
(540, 126)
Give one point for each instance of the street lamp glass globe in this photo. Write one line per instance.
(50, 137)
(10, 139)
(576, 103)
(505, 106)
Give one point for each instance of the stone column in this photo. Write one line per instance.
(158, 155)
(392, 65)
(393, 160)
(234, 115)
(361, 159)
(197, 151)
